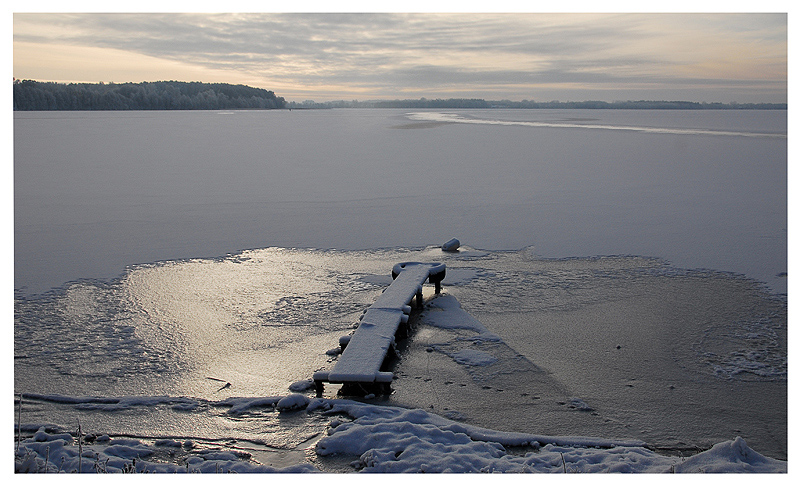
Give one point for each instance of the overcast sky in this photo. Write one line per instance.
(696, 57)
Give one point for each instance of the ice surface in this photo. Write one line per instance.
(472, 357)
(554, 327)
(169, 219)
(240, 405)
(91, 198)
(455, 117)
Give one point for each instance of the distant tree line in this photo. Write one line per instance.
(420, 103)
(177, 95)
(160, 95)
(479, 103)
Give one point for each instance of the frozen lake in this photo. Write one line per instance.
(97, 191)
(630, 265)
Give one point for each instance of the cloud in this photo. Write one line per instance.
(388, 53)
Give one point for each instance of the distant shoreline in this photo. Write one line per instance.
(454, 103)
(32, 95)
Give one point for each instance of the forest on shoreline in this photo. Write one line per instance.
(32, 95)
(160, 95)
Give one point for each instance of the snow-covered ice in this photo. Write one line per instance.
(397, 440)
(473, 357)
(384, 439)
(452, 117)
(61, 452)
(643, 182)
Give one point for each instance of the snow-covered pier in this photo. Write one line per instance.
(364, 354)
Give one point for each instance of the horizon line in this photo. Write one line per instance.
(421, 98)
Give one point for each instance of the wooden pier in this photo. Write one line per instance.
(359, 366)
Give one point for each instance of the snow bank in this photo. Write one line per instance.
(381, 439)
(387, 439)
(60, 452)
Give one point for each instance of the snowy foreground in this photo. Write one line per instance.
(379, 439)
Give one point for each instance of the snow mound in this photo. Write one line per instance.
(388, 439)
(302, 385)
(731, 456)
(294, 401)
